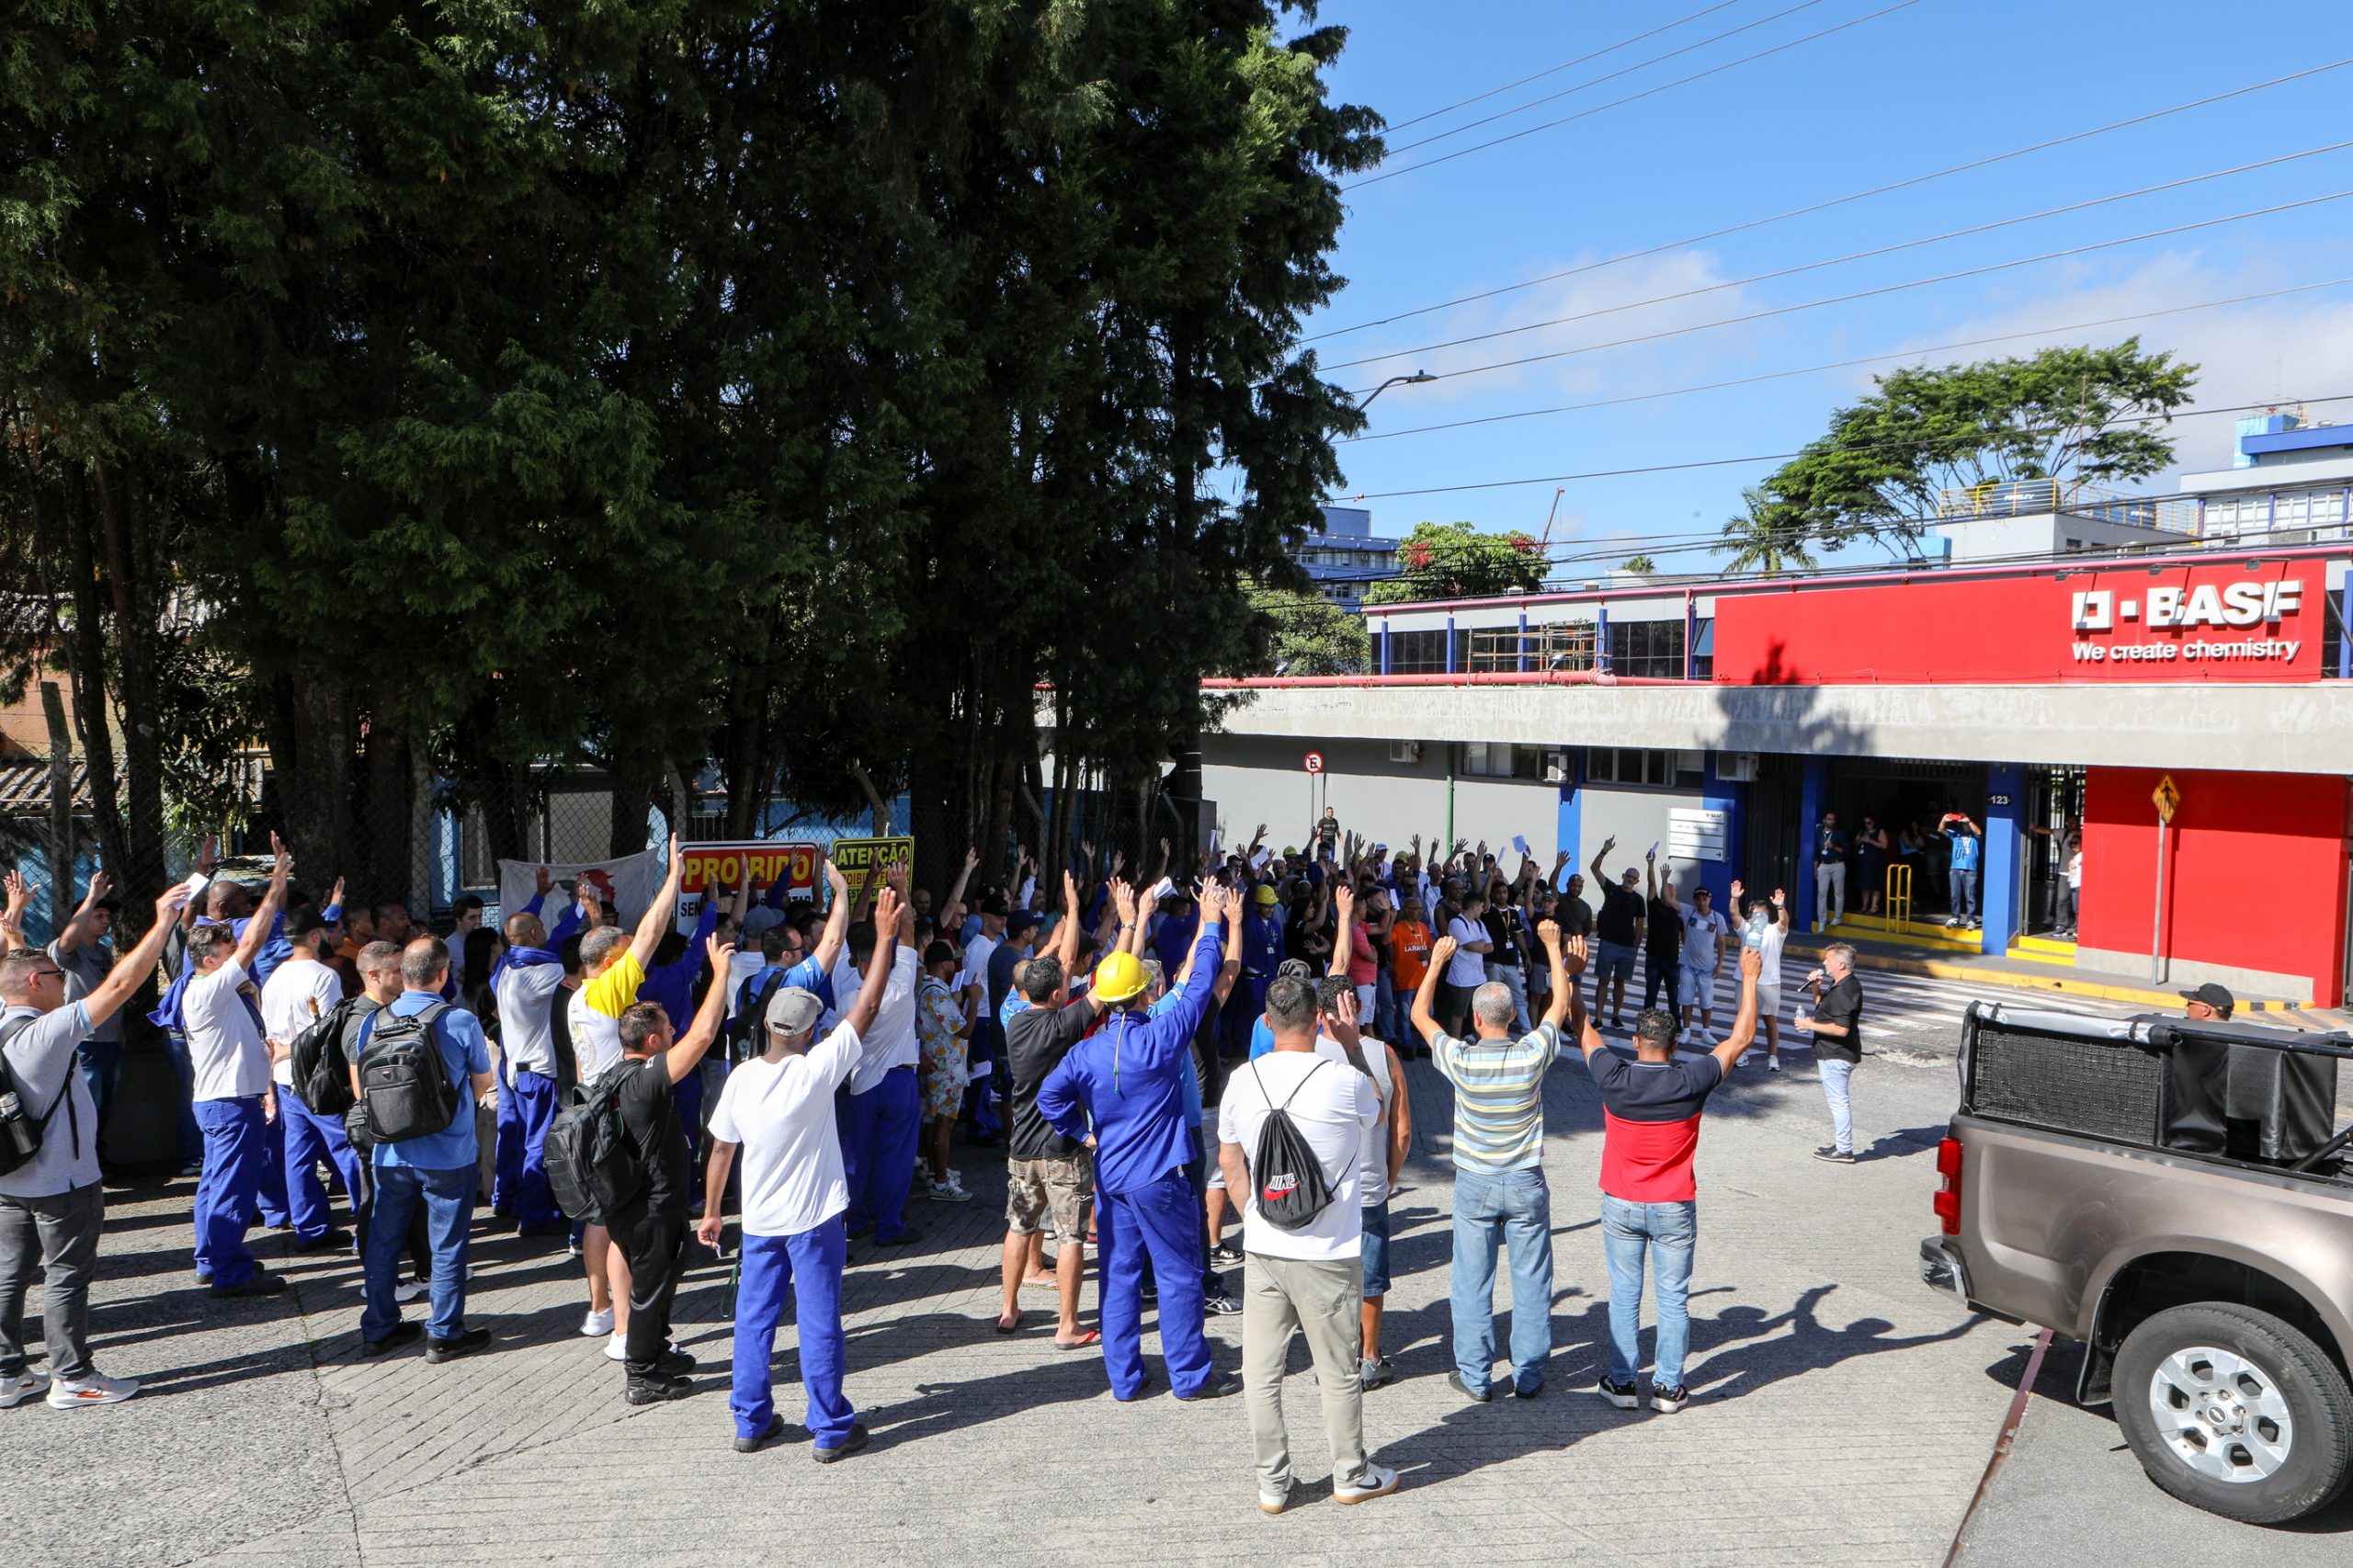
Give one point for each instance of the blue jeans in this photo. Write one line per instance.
(808, 1268)
(1388, 1022)
(1515, 1209)
(1667, 1231)
(102, 1071)
(1964, 894)
(448, 1199)
(1373, 1254)
(1666, 976)
(1835, 1075)
(1512, 978)
(236, 1142)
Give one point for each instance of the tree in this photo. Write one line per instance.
(1314, 637)
(1455, 561)
(1767, 536)
(1640, 564)
(2064, 414)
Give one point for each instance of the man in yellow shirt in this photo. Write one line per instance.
(612, 962)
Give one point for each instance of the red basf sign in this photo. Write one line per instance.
(2243, 621)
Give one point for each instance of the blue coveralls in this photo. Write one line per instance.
(1128, 1080)
(672, 986)
(1262, 953)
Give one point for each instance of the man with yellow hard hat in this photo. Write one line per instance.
(1126, 1083)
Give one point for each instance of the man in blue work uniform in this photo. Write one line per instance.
(1125, 1086)
(1260, 937)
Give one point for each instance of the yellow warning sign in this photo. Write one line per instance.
(2167, 798)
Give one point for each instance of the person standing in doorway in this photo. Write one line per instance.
(1829, 872)
(1836, 1026)
(1968, 853)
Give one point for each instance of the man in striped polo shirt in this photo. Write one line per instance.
(1499, 1191)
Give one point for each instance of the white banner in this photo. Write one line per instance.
(625, 885)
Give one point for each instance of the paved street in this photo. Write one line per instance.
(1844, 1413)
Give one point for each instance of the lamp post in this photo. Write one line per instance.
(1417, 379)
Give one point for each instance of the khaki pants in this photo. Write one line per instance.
(1323, 1302)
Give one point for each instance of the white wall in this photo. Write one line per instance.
(1637, 819)
(1255, 779)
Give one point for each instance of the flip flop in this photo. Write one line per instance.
(1003, 1327)
(1087, 1341)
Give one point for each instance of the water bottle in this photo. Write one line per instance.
(20, 1132)
(1751, 933)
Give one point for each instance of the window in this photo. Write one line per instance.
(1703, 651)
(1500, 759)
(1649, 649)
(1647, 769)
(1416, 653)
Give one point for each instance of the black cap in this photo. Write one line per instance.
(1021, 920)
(2218, 997)
(993, 903)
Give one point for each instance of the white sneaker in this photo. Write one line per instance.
(616, 1347)
(1772, 1064)
(1375, 1482)
(15, 1391)
(71, 1393)
(596, 1323)
(1273, 1502)
(948, 1192)
(411, 1290)
(1747, 1057)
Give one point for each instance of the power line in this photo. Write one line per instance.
(1633, 98)
(1887, 288)
(1784, 457)
(1842, 260)
(1606, 76)
(1849, 364)
(1837, 201)
(1565, 64)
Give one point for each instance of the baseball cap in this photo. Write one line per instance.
(1266, 894)
(794, 1010)
(993, 903)
(1021, 920)
(2218, 997)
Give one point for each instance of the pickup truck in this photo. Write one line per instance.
(2175, 1195)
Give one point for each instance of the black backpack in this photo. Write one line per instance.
(404, 1079)
(20, 1130)
(747, 1034)
(1286, 1178)
(322, 1062)
(592, 1168)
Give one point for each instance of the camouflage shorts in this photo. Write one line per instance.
(1065, 1188)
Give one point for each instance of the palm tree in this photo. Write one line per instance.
(1767, 537)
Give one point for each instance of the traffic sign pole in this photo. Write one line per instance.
(2167, 800)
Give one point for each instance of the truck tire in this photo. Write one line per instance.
(2235, 1411)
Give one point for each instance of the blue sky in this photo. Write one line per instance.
(1932, 85)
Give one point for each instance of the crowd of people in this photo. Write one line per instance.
(1154, 1054)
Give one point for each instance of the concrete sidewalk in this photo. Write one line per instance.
(2003, 972)
(1844, 1413)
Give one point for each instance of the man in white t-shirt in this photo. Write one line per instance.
(232, 1098)
(1468, 970)
(1705, 936)
(778, 1108)
(1766, 928)
(300, 991)
(1309, 1278)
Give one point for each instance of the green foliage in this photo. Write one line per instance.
(1767, 536)
(1314, 637)
(1638, 563)
(1447, 560)
(2062, 413)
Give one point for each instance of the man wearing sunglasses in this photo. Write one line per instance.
(51, 1207)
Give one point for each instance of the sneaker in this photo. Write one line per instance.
(1273, 1502)
(412, 1290)
(1481, 1397)
(656, 1389)
(843, 1449)
(1747, 1057)
(597, 1325)
(1376, 1373)
(948, 1192)
(262, 1283)
(465, 1343)
(1220, 1385)
(1225, 1256)
(754, 1445)
(571, 1247)
(1375, 1481)
(1528, 1391)
(617, 1348)
(1666, 1402)
(1837, 1156)
(675, 1363)
(15, 1391)
(400, 1334)
(1221, 1306)
(1772, 1064)
(71, 1393)
(1621, 1395)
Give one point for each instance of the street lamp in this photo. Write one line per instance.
(1417, 379)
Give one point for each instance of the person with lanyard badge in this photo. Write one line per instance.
(778, 1111)
(526, 981)
(233, 1100)
(1763, 929)
(1122, 1092)
(1829, 872)
(612, 966)
(1260, 939)
(51, 1205)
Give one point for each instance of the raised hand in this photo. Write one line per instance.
(721, 953)
(334, 899)
(1443, 950)
(1124, 899)
(1549, 933)
(888, 906)
(1752, 962)
(101, 885)
(1573, 957)
(1344, 899)
(170, 903)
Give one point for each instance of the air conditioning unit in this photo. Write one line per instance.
(1404, 751)
(1556, 768)
(1736, 766)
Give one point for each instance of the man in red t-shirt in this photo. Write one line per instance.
(1651, 1103)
